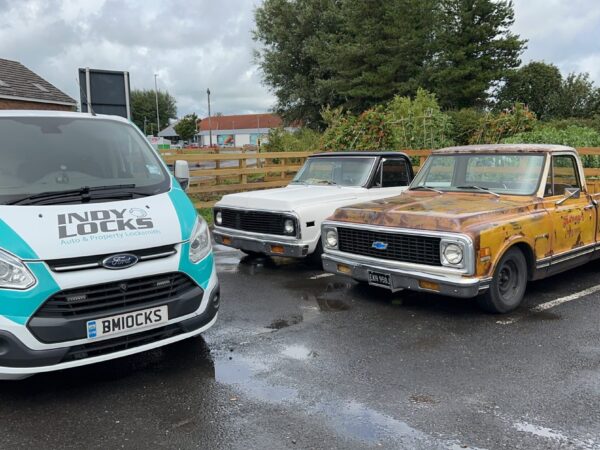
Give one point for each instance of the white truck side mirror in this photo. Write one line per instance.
(182, 173)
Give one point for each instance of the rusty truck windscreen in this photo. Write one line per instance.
(512, 174)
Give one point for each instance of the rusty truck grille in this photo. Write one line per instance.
(400, 247)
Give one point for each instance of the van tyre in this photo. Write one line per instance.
(508, 284)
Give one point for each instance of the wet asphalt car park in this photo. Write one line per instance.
(301, 359)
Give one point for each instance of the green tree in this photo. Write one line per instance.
(143, 107)
(537, 85)
(359, 54)
(187, 127)
(378, 50)
(577, 97)
(475, 49)
(287, 31)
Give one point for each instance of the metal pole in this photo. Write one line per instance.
(209, 121)
(127, 102)
(88, 90)
(145, 120)
(156, 96)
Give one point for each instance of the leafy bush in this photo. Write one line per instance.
(561, 124)
(418, 123)
(496, 127)
(281, 140)
(367, 131)
(572, 135)
(465, 123)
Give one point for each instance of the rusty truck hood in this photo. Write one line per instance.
(450, 211)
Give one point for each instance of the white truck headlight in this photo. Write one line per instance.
(452, 254)
(200, 241)
(13, 273)
(218, 218)
(289, 226)
(331, 238)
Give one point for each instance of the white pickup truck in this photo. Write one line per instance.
(287, 221)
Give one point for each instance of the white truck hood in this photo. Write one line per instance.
(67, 231)
(291, 197)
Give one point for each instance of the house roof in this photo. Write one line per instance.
(240, 122)
(17, 82)
(169, 131)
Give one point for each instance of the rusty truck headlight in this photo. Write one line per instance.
(452, 254)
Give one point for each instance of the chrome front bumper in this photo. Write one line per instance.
(452, 285)
(260, 244)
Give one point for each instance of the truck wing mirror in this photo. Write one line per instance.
(182, 173)
(570, 193)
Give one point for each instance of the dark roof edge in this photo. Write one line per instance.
(37, 100)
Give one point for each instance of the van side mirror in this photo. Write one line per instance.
(570, 193)
(182, 173)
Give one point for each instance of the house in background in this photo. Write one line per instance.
(170, 133)
(20, 88)
(238, 130)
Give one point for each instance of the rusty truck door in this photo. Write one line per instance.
(572, 213)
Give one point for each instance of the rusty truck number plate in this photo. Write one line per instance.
(380, 279)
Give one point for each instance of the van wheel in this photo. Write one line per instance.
(508, 284)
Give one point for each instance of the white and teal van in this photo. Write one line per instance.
(102, 254)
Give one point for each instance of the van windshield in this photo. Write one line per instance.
(333, 170)
(58, 160)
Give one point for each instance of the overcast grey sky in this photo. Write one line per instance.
(195, 44)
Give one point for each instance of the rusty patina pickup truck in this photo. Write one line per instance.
(477, 221)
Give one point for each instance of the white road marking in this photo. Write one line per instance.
(566, 299)
(323, 275)
(552, 304)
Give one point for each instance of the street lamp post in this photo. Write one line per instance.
(156, 96)
(209, 122)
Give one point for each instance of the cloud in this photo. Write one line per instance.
(563, 32)
(194, 45)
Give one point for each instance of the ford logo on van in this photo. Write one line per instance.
(378, 245)
(123, 261)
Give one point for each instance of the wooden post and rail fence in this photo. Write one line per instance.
(217, 173)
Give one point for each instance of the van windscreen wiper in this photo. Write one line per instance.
(85, 194)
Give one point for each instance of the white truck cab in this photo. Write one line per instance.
(287, 221)
(102, 254)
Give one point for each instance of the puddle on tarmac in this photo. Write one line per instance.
(349, 419)
(278, 324)
(299, 352)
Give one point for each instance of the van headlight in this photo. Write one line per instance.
(218, 217)
(453, 254)
(200, 241)
(13, 273)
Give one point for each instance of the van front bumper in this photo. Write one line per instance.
(18, 361)
(452, 285)
(267, 244)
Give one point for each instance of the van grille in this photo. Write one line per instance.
(400, 247)
(101, 298)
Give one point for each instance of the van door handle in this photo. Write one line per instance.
(588, 207)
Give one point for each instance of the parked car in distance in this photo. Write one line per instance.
(477, 221)
(287, 221)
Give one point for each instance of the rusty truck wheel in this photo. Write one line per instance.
(508, 284)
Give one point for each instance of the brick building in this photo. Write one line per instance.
(20, 88)
(239, 130)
